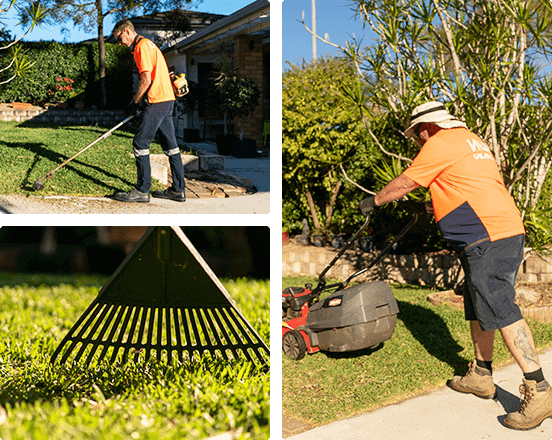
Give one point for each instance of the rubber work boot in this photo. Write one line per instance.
(477, 381)
(536, 406)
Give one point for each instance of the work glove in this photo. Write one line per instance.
(367, 204)
(132, 108)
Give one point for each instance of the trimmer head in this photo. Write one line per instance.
(38, 185)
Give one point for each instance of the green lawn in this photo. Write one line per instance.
(131, 401)
(429, 346)
(30, 151)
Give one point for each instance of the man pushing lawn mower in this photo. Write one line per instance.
(478, 217)
(155, 88)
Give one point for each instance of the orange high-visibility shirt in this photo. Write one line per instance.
(149, 58)
(470, 202)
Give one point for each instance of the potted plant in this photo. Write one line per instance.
(318, 238)
(243, 97)
(366, 241)
(189, 104)
(218, 97)
(285, 235)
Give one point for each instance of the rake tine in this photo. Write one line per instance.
(119, 341)
(228, 315)
(159, 343)
(208, 339)
(210, 331)
(150, 333)
(128, 344)
(215, 333)
(169, 337)
(79, 337)
(231, 345)
(120, 312)
(70, 332)
(92, 332)
(99, 339)
(194, 330)
(177, 332)
(185, 325)
(139, 344)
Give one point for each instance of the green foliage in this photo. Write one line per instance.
(151, 400)
(77, 62)
(429, 346)
(485, 60)
(321, 131)
(238, 97)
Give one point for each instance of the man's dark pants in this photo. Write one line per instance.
(490, 270)
(157, 119)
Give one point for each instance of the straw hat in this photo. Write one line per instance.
(433, 112)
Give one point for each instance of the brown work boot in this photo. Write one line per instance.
(477, 381)
(536, 406)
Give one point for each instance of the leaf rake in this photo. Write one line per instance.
(163, 300)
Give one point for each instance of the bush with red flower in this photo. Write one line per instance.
(62, 90)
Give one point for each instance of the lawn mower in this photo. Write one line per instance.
(355, 318)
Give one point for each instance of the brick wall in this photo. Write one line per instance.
(438, 270)
(248, 53)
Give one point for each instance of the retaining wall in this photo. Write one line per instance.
(63, 116)
(436, 270)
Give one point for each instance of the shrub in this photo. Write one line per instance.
(78, 62)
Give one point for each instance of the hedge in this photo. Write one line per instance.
(78, 62)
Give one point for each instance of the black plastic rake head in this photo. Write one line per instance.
(162, 301)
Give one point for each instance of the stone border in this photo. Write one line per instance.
(63, 116)
(430, 270)
(542, 314)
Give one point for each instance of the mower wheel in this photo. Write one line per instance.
(294, 345)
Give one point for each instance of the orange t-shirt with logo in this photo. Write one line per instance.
(470, 202)
(149, 58)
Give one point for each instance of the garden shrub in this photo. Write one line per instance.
(77, 62)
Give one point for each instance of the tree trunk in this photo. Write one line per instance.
(312, 207)
(330, 206)
(101, 50)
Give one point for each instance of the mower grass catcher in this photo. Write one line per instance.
(349, 319)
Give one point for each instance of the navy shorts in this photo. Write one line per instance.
(490, 270)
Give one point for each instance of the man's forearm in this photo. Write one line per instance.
(143, 86)
(399, 187)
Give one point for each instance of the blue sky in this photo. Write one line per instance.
(335, 17)
(226, 7)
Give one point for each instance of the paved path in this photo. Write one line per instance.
(441, 414)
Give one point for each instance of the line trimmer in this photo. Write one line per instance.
(349, 319)
(39, 184)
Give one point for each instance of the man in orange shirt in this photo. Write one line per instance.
(478, 217)
(155, 88)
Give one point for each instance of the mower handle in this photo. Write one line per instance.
(384, 251)
(321, 281)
